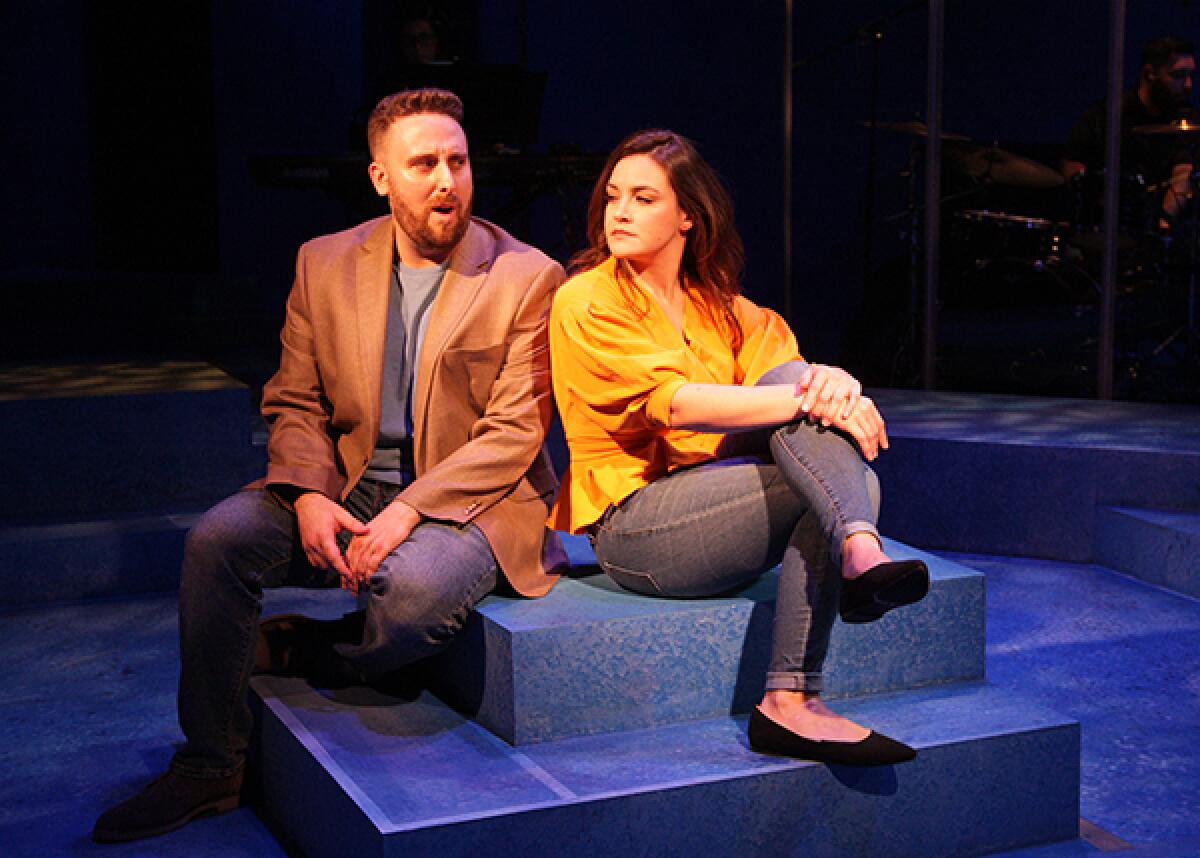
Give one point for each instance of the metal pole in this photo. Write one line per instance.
(787, 160)
(872, 156)
(933, 189)
(1112, 188)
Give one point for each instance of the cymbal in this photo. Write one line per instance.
(917, 128)
(1004, 168)
(1179, 126)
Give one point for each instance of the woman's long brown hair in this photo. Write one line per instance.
(713, 255)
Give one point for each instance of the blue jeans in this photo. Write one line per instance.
(417, 600)
(710, 528)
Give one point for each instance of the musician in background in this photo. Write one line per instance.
(1161, 96)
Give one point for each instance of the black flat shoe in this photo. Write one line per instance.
(767, 737)
(881, 588)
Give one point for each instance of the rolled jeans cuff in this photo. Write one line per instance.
(813, 683)
(849, 529)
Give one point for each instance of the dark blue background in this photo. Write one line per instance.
(128, 132)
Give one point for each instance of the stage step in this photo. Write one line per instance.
(994, 474)
(592, 658)
(84, 559)
(121, 438)
(374, 776)
(1157, 546)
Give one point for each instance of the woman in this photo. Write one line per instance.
(662, 373)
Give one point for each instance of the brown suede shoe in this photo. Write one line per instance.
(295, 645)
(168, 802)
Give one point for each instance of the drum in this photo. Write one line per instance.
(983, 237)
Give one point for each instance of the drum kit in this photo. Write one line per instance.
(1018, 234)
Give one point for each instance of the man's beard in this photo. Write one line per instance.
(1169, 103)
(416, 223)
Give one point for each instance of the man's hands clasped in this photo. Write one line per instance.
(321, 520)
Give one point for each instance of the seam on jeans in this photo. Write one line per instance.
(467, 603)
(233, 699)
(833, 502)
(609, 568)
(659, 528)
(231, 703)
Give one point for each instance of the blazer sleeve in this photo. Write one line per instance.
(300, 449)
(507, 437)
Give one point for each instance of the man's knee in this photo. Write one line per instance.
(239, 526)
(413, 614)
(421, 598)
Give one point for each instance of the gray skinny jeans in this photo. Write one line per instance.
(711, 528)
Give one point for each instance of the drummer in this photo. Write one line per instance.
(1162, 161)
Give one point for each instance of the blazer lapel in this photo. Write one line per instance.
(372, 279)
(464, 277)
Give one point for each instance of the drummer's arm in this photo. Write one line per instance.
(1178, 190)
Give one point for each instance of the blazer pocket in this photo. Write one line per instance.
(473, 370)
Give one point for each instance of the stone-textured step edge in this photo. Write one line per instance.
(91, 558)
(376, 777)
(1018, 475)
(1014, 499)
(592, 658)
(167, 442)
(1157, 546)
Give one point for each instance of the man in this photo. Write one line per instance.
(1162, 95)
(408, 414)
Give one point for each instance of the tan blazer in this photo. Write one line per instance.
(481, 402)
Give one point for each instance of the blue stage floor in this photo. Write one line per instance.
(87, 689)
(87, 703)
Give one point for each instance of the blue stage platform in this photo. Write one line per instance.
(594, 719)
(380, 778)
(1025, 476)
(593, 658)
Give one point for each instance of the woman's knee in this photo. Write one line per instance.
(786, 373)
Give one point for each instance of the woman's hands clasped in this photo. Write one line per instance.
(832, 397)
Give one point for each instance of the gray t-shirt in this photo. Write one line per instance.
(411, 294)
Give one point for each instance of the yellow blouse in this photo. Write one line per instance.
(616, 368)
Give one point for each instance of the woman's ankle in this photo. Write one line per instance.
(861, 552)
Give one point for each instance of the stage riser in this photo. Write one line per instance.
(89, 559)
(591, 658)
(992, 774)
(1022, 499)
(113, 454)
(1158, 547)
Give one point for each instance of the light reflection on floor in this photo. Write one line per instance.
(41, 381)
(1001, 418)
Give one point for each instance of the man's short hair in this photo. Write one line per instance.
(1158, 52)
(409, 102)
